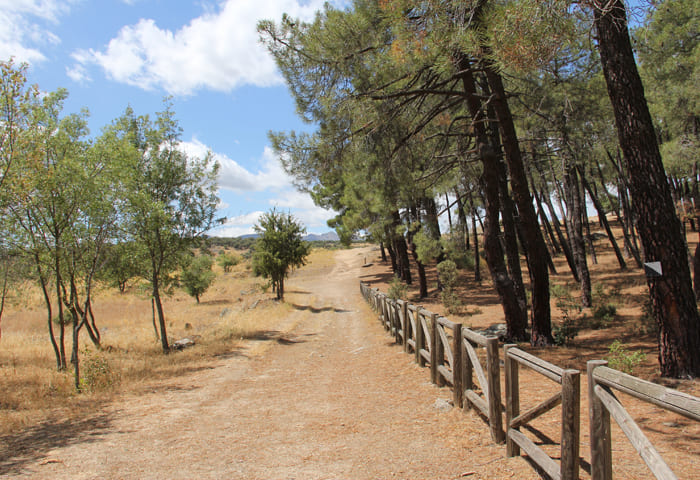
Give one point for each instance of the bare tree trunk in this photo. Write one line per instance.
(578, 246)
(477, 262)
(603, 220)
(672, 296)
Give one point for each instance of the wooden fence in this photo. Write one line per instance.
(451, 351)
(602, 404)
(569, 398)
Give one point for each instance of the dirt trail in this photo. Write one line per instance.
(330, 398)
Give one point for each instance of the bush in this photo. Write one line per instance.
(621, 359)
(96, 373)
(198, 277)
(603, 316)
(564, 333)
(455, 250)
(397, 290)
(227, 260)
(447, 272)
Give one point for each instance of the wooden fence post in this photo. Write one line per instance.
(404, 324)
(599, 421)
(493, 370)
(419, 336)
(458, 390)
(570, 423)
(512, 398)
(467, 376)
(436, 349)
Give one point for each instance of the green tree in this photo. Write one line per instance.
(279, 248)
(197, 277)
(668, 46)
(170, 200)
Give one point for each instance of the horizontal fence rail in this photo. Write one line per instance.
(603, 404)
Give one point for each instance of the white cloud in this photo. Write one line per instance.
(234, 177)
(218, 50)
(270, 179)
(24, 30)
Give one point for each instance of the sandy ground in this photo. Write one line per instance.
(327, 396)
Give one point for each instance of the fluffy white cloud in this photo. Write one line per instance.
(232, 176)
(270, 179)
(218, 50)
(24, 27)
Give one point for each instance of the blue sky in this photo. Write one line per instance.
(226, 89)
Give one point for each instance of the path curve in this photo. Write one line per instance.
(332, 399)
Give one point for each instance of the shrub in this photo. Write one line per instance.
(96, 373)
(603, 316)
(447, 272)
(197, 277)
(621, 359)
(565, 332)
(227, 260)
(397, 290)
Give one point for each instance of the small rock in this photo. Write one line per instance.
(224, 312)
(442, 405)
(182, 344)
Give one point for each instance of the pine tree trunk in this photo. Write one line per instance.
(477, 259)
(578, 247)
(603, 221)
(672, 296)
(401, 250)
(516, 318)
(422, 280)
(541, 333)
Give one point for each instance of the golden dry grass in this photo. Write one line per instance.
(235, 308)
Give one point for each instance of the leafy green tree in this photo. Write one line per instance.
(668, 46)
(170, 200)
(197, 277)
(279, 248)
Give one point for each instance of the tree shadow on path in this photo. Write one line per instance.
(31, 446)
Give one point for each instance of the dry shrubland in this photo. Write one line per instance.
(236, 307)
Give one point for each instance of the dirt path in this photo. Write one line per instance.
(329, 399)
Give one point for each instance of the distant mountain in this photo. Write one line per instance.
(324, 237)
(312, 237)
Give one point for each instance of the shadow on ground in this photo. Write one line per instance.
(319, 310)
(31, 446)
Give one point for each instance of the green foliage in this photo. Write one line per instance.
(563, 334)
(447, 272)
(279, 248)
(622, 359)
(397, 289)
(427, 247)
(668, 47)
(197, 277)
(170, 198)
(455, 250)
(604, 310)
(120, 265)
(227, 260)
(570, 307)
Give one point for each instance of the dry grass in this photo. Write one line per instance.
(235, 308)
